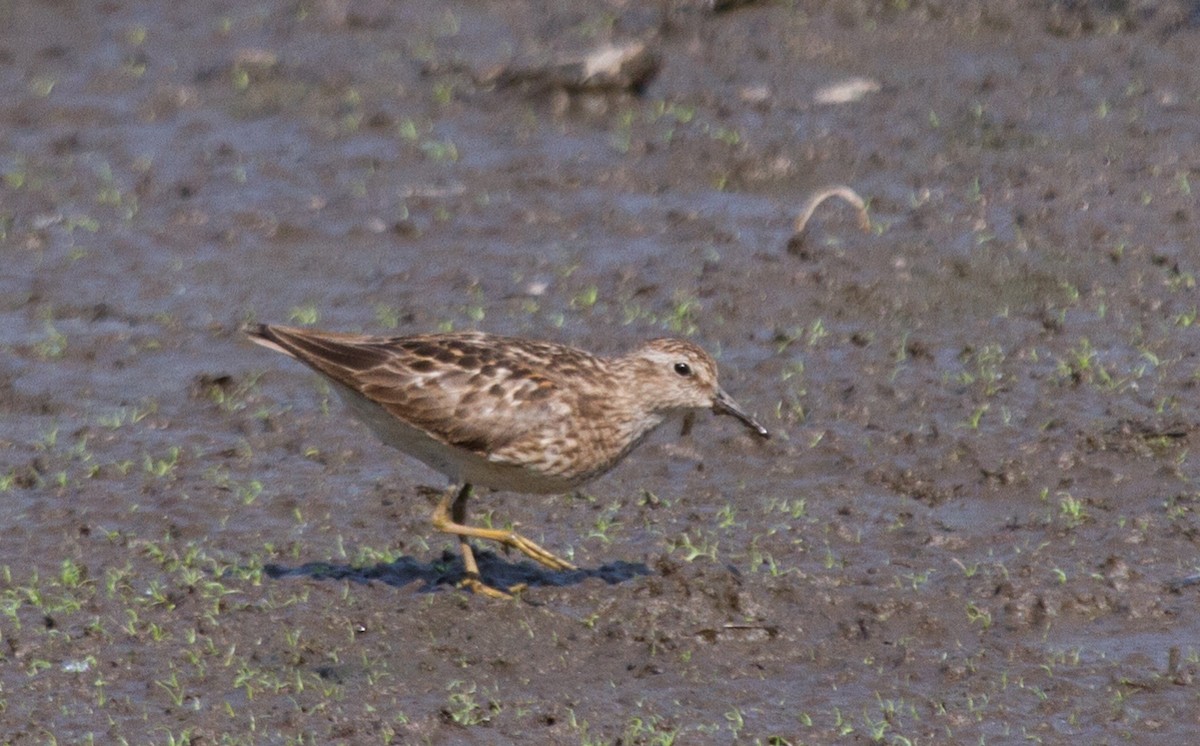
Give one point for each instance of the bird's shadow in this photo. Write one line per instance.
(448, 571)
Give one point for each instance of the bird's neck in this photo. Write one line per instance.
(637, 421)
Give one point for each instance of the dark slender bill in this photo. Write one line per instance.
(723, 404)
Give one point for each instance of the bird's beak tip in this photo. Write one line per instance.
(723, 404)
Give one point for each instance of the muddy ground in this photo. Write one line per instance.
(977, 520)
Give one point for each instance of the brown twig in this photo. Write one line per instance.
(814, 201)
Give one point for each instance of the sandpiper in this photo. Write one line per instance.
(506, 413)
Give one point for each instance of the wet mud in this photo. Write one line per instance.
(976, 521)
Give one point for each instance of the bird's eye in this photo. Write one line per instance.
(683, 369)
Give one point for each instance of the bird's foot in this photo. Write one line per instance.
(475, 585)
(535, 552)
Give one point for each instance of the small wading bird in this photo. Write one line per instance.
(506, 413)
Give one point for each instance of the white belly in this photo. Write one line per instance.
(459, 465)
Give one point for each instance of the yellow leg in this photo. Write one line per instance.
(449, 517)
(458, 511)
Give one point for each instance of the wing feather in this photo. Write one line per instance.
(469, 390)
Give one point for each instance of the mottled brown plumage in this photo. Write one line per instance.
(507, 413)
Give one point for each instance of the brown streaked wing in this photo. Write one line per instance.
(339, 356)
(470, 391)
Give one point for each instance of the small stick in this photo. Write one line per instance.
(813, 202)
